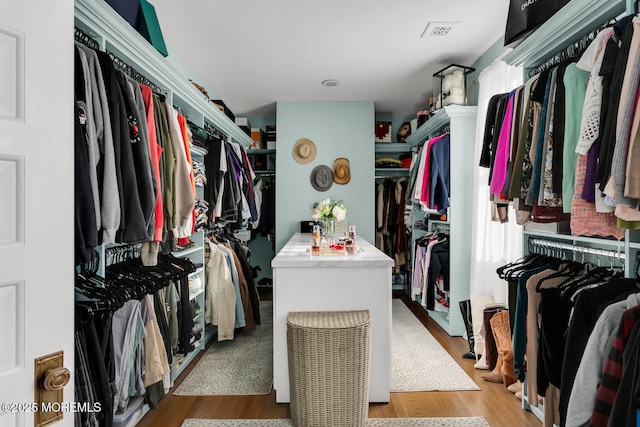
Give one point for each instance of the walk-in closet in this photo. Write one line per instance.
(248, 214)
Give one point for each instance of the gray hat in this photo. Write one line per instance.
(321, 178)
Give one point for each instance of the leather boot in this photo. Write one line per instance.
(490, 348)
(465, 310)
(495, 376)
(502, 333)
(478, 304)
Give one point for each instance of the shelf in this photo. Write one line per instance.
(392, 171)
(261, 151)
(198, 271)
(394, 147)
(196, 295)
(574, 20)
(441, 118)
(265, 172)
(175, 373)
(578, 239)
(185, 252)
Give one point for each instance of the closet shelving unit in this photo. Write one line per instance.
(393, 149)
(461, 121)
(114, 35)
(268, 156)
(573, 21)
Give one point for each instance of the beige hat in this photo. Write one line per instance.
(341, 171)
(304, 150)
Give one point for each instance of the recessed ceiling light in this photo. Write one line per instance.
(330, 83)
(441, 28)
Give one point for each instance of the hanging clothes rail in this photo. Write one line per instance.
(82, 37)
(573, 50)
(441, 228)
(135, 74)
(114, 254)
(550, 244)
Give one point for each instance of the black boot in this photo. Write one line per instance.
(465, 309)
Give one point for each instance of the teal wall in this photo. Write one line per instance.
(338, 129)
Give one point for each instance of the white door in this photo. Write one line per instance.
(36, 198)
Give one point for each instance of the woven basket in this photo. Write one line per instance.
(329, 356)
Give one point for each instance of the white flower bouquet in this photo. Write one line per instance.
(328, 209)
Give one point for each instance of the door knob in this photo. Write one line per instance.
(56, 378)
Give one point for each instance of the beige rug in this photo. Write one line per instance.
(371, 422)
(244, 366)
(419, 362)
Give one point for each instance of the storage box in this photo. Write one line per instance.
(222, 106)
(450, 85)
(259, 138)
(244, 124)
(550, 227)
(383, 132)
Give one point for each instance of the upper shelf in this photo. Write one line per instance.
(394, 147)
(441, 118)
(98, 19)
(574, 20)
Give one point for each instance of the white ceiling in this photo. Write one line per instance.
(253, 53)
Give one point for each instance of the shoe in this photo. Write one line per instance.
(502, 334)
(519, 395)
(188, 244)
(465, 310)
(478, 304)
(515, 387)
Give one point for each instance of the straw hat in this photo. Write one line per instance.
(321, 178)
(304, 151)
(341, 171)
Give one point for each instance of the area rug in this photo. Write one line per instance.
(242, 366)
(371, 422)
(419, 362)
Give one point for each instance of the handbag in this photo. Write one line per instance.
(525, 15)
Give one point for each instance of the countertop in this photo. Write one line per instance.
(297, 253)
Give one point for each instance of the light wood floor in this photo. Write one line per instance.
(494, 402)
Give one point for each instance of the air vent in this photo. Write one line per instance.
(439, 29)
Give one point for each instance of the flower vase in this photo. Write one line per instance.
(327, 226)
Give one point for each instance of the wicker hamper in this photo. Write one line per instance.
(329, 354)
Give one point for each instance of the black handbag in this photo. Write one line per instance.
(525, 15)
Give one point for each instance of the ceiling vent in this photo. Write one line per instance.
(441, 28)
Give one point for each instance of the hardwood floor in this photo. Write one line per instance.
(494, 402)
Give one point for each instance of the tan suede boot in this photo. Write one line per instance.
(502, 333)
(495, 376)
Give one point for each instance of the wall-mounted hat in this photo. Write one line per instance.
(304, 150)
(341, 171)
(321, 178)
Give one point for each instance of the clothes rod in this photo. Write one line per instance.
(575, 248)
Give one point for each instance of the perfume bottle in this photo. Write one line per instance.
(352, 233)
(315, 243)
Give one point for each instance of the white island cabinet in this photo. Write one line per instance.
(302, 282)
